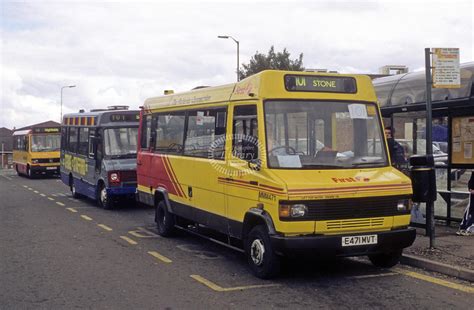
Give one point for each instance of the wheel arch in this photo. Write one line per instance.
(161, 194)
(100, 182)
(254, 217)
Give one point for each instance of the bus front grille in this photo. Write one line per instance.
(349, 208)
(128, 176)
(355, 223)
(47, 160)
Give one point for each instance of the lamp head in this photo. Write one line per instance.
(223, 37)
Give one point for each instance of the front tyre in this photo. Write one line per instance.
(74, 192)
(261, 258)
(104, 200)
(386, 260)
(165, 221)
(29, 173)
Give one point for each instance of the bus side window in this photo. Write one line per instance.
(245, 129)
(146, 133)
(205, 134)
(63, 138)
(72, 140)
(169, 132)
(92, 144)
(83, 141)
(26, 143)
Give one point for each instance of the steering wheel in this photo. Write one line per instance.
(287, 148)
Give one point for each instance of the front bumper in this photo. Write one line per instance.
(121, 190)
(44, 169)
(332, 245)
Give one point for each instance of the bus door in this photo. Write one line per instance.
(204, 161)
(92, 164)
(241, 181)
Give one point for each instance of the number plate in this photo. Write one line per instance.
(359, 240)
(51, 168)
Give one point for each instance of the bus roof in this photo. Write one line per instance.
(275, 84)
(97, 118)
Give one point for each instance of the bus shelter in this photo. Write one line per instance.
(402, 99)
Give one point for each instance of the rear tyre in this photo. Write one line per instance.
(105, 201)
(386, 260)
(263, 261)
(17, 171)
(165, 221)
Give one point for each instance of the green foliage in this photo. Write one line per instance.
(271, 61)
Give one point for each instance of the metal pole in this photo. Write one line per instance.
(430, 221)
(61, 116)
(3, 154)
(238, 52)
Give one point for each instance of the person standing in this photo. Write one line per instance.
(397, 153)
(466, 228)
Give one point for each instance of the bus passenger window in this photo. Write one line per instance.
(169, 133)
(205, 135)
(245, 128)
(92, 144)
(83, 140)
(72, 140)
(63, 138)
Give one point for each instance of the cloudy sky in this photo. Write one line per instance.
(122, 52)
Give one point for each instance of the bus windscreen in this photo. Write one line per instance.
(45, 143)
(121, 142)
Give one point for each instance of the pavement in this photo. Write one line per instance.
(452, 255)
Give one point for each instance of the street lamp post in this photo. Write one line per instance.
(237, 42)
(68, 86)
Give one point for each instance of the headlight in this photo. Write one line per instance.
(114, 177)
(35, 161)
(296, 210)
(404, 205)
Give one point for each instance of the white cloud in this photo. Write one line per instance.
(124, 52)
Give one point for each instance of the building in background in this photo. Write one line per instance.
(6, 146)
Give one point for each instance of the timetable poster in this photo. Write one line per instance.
(462, 140)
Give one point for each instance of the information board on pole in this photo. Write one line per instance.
(446, 72)
(462, 148)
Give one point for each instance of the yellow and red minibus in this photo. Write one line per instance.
(281, 163)
(36, 151)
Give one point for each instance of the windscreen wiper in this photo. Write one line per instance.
(322, 166)
(368, 163)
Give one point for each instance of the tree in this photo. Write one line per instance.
(272, 61)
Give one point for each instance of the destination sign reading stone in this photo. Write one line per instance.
(327, 84)
(124, 117)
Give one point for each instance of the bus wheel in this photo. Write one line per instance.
(17, 171)
(164, 220)
(261, 258)
(386, 260)
(105, 201)
(29, 173)
(74, 193)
